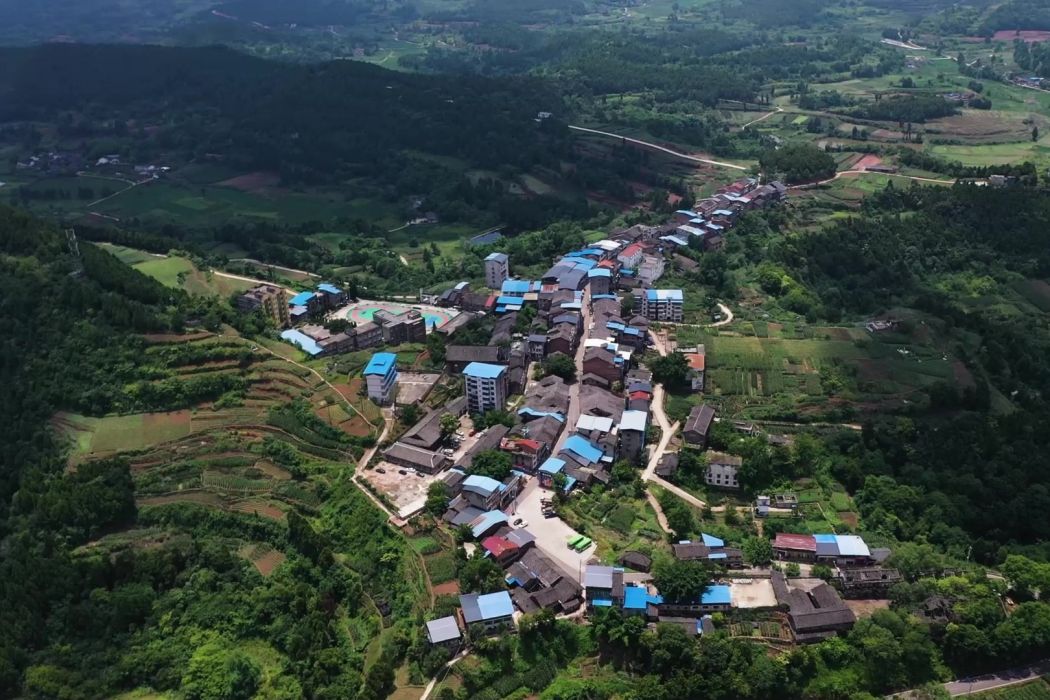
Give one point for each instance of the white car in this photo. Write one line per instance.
(520, 522)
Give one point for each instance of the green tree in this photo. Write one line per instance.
(411, 414)
(219, 672)
(493, 463)
(758, 551)
(437, 498)
(449, 425)
(560, 365)
(671, 370)
(681, 581)
(479, 574)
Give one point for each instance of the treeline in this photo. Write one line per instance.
(1033, 57)
(1017, 14)
(907, 108)
(798, 162)
(282, 117)
(924, 160)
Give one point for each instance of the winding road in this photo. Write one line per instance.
(658, 147)
(844, 173)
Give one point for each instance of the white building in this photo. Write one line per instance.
(486, 387)
(381, 377)
(663, 304)
(497, 270)
(651, 269)
(722, 470)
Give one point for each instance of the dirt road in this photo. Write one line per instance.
(658, 147)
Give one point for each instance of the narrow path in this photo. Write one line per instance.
(844, 173)
(727, 316)
(118, 192)
(276, 267)
(989, 681)
(763, 117)
(660, 517)
(441, 675)
(574, 388)
(253, 280)
(657, 147)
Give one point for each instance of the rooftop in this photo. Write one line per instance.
(381, 363)
(497, 257)
(595, 576)
(329, 288)
(483, 370)
(305, 342)
(664, 294)
(491, 606)
(301, 299)
(579, 445)
(444, 629)
(483, 485)
(634, 420)
(487, 520)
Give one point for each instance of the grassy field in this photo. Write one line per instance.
(180, 273)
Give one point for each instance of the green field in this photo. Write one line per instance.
(99, 436)
(180, 273)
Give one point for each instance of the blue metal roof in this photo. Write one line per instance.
(513, 287)
(824, 539)
(582, 447)
(712, 541)
(509, 300)
(494, 605)
(329, 288)
(603, 296)
(483, 370)
(664, 294)
(487, 520)
(718, 555)
(541, 414)
(305, 342)
(301, 299)
(381, 364)
(602, 603)
(638, 598)
(600, 272)
(687, 212)
(484, 485)
(553, 465)
(717, 595)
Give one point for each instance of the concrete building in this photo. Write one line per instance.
(632, 435)
(493, 611)
(663, 304)
(444, 631)
(497, 270)
(651, 269)
(722, 470)
(486, 387)
(270, 300)
(381, 377)
(409, 327)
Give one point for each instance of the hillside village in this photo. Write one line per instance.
(501, 486)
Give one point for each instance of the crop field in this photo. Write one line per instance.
(1035, 690)
(180, 273)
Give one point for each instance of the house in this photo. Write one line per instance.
(790, 547)
(528, 454)
(427, 432)
(594, 380)
(486, 387)
(667, 467)
(636, 561)
(368, 335)
(533, 572)
(633, 425)
(500, 549)
(536, 346)
(457, 357)
(381, 377)
(544, 430)
(842, 550)
(867, 582)
(712, 550)
(582, 452)
(594, 427)
(639, 401)
(332, 297)
(663, 304)
(269, 299)
(562, 338)
(476, 301)
(600, 280)
(497, 270)
(697, 428)
(715, 598)
(444, 631)
(595, 401)
(487, 523)
(549, 396)
(490, 439)
(603, 586)
(485, 493)
(685, 264)
(722, 470)
(651, 269)
(631, 256)
(492, 611)
(602, 363)
(697, 362)
(549, 470)
(417, 458)
(310, 302)
(813, 615)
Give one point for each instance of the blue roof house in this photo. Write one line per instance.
(491, 610)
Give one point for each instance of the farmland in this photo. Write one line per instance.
(1034, 690)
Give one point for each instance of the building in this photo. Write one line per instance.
(867, 582)
(497, 270)
(332, 297)
(813, 615)
(486, 387)
(663, 304)
(493, 611)
(600, 280)
(651, 269)
(601, 362)
(457, 357)
(790, 547)
(633, 425)
(604, 586)
(381, 377)
(631, 256)
(270, 300)
(305, 304)
(417, 458)
(444, 631)
(710, 549)
(637, 561)
(368, 335)
(667, 467)
(722, 470)
(409, 327)
(500, 549)
(697, 428)
(697, 361)
(715, 598)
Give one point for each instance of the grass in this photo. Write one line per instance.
(181, 273)
(1038, 689)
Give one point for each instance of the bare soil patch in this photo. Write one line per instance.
(264, 508)
(1030, 35)
(868, 161)
(204, 498)
(447, 588)
(849, 517)
(866, 608)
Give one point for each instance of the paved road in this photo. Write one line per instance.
(658, 147)
(1000, 679)
(276, 267)
(552, 534)
(574, 388)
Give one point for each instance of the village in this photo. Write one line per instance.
(597, 308)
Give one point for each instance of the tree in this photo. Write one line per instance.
(449, 425)
(792, 569)
(681, 581)
(437, 498)
(758, 551)
(671, 370)
(492, 463)
(1035, 133)
(822, 571)
(411, 414)
(218, 672)
(479, 574)
(560, 365)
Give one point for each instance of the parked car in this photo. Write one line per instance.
(520, 522)
(381, 470)
(402, 472)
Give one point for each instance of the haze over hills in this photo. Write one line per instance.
(561, 349)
